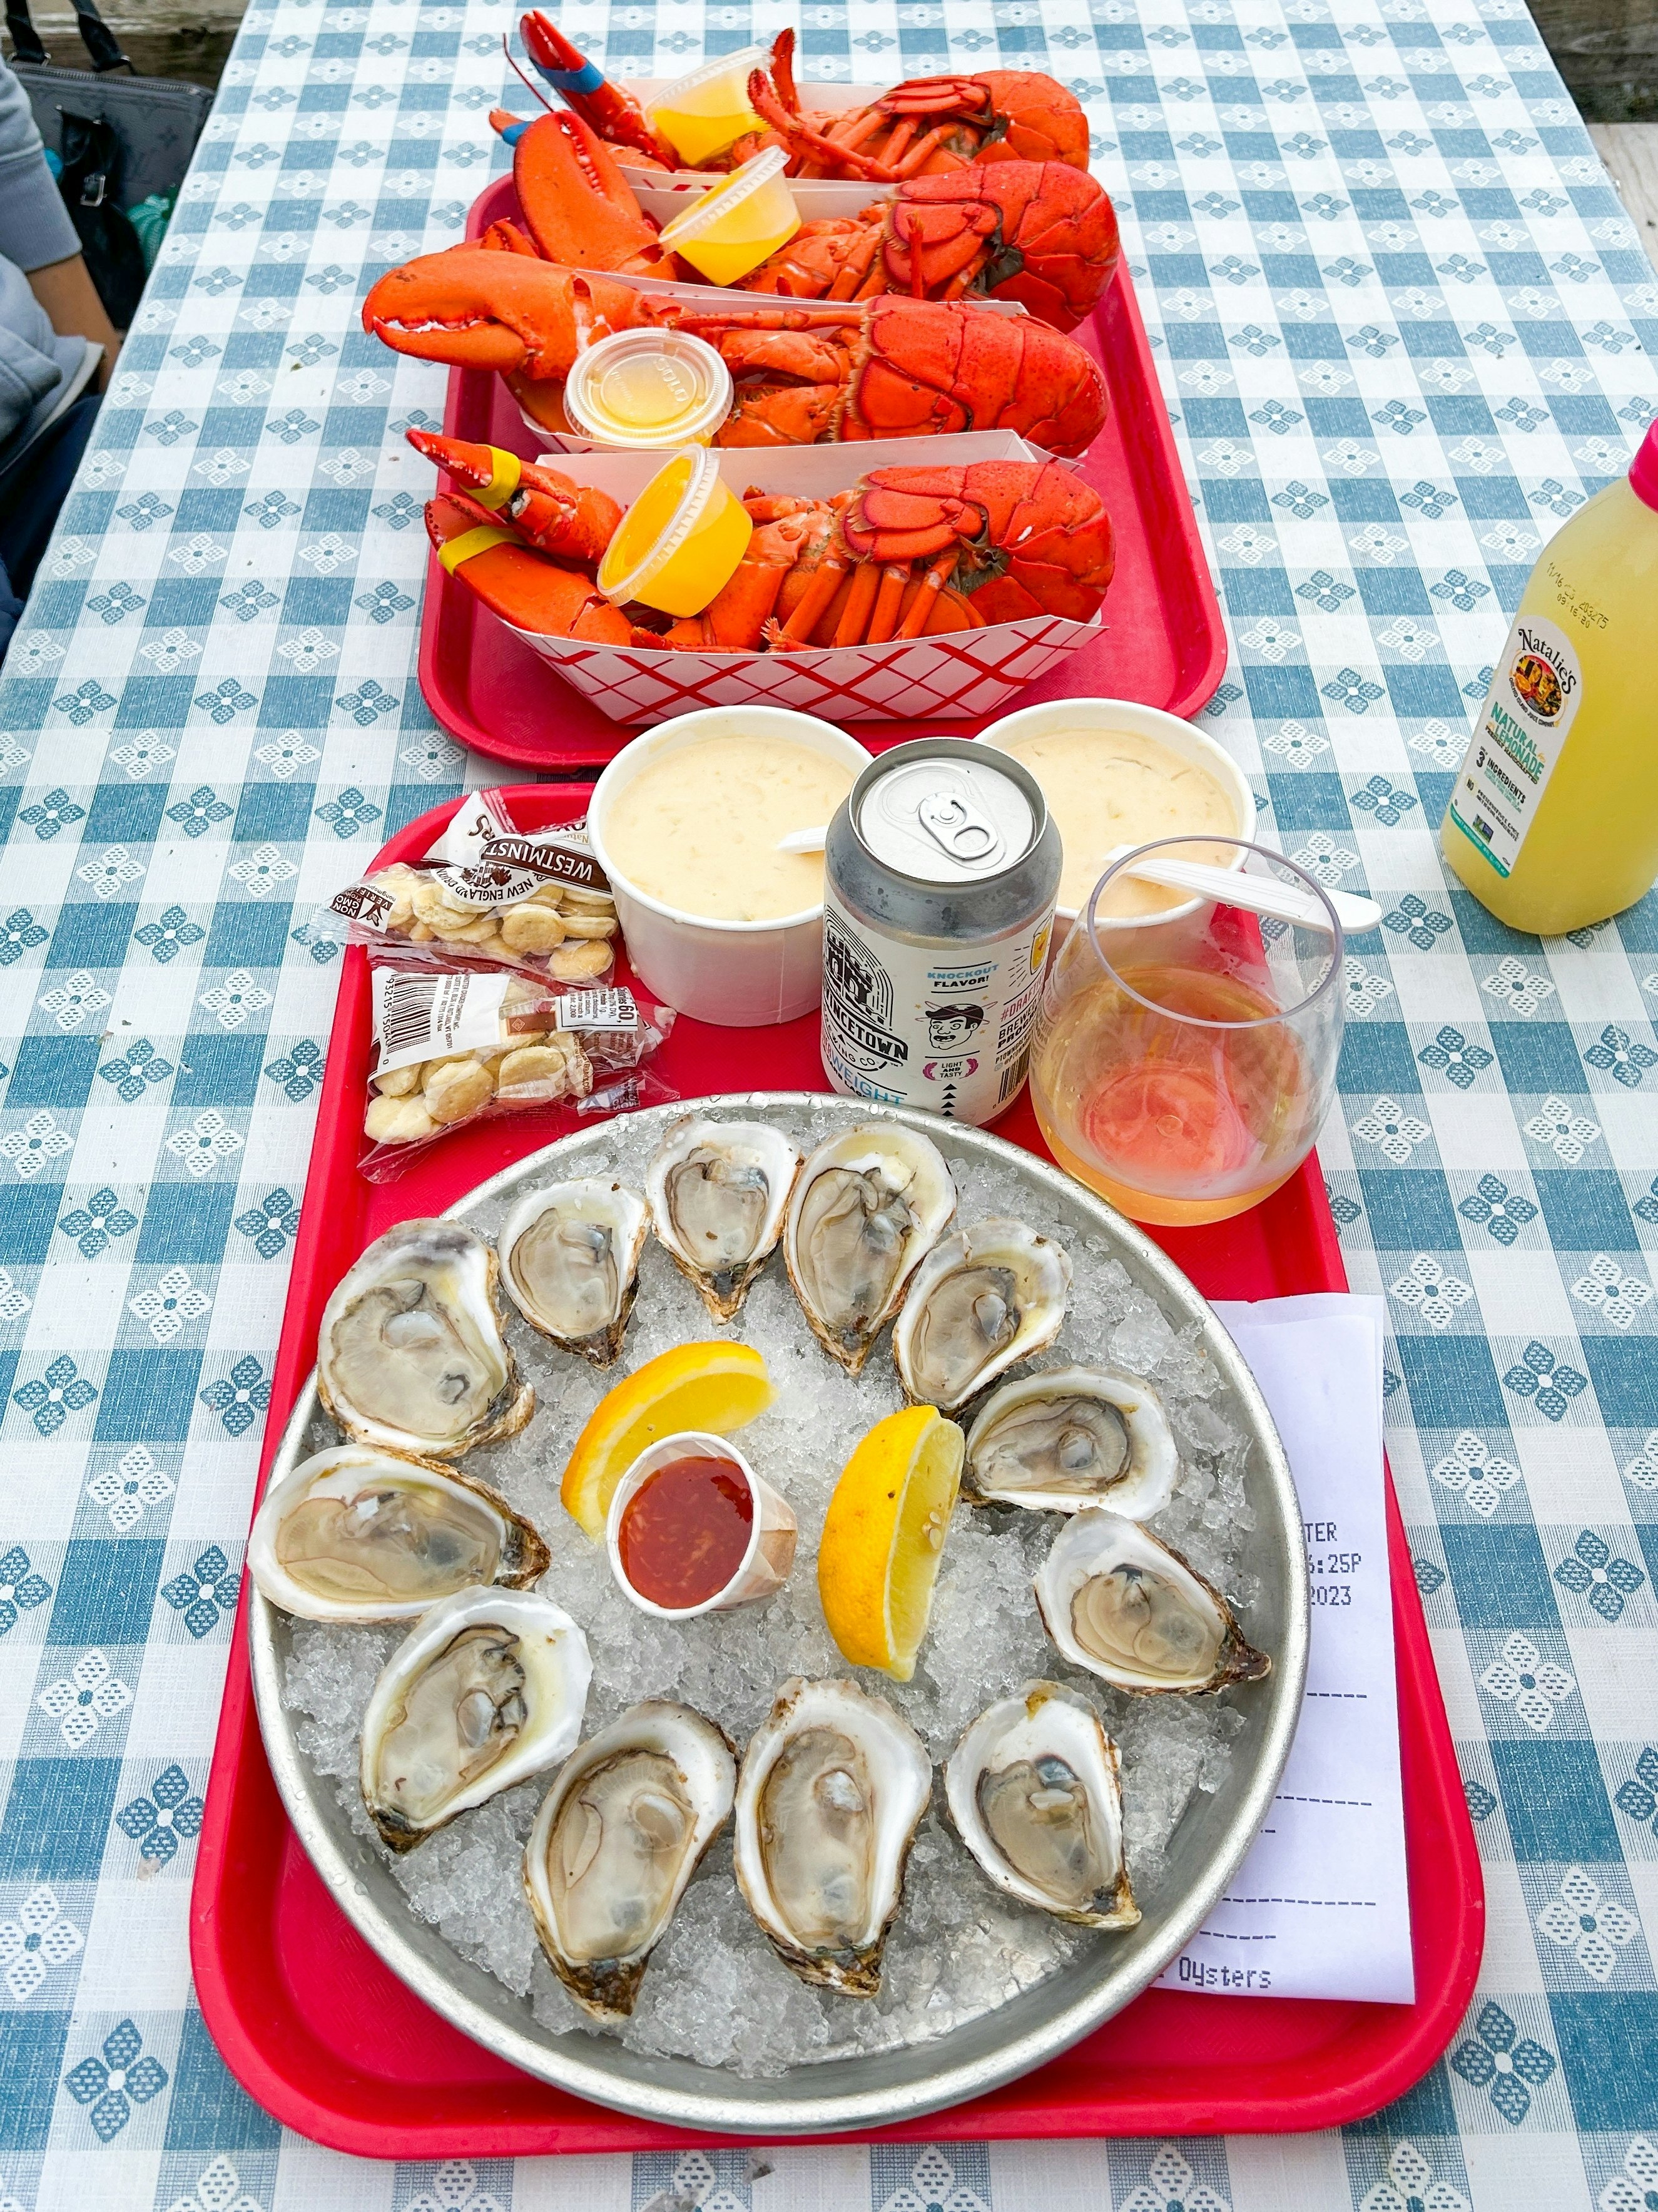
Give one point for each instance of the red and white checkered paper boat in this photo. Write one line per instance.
(964, 672)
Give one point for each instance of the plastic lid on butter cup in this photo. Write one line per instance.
(688, 376)
(684, 502)
(761, 173)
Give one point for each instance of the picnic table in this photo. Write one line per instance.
(1403, 330)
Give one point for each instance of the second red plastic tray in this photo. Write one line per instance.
(326, 2039)
(1162, 644)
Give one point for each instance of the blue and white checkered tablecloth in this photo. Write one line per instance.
(1405, 329)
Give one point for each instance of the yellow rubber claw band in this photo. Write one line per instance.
(505, 481)
(474, 541)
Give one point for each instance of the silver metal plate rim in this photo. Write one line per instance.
(473, 2000)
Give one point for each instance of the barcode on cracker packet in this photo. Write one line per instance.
(613, 1009)
(418, 1017)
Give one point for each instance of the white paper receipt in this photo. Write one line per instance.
(1320, 1907)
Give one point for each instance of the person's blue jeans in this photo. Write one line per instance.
(30, 496)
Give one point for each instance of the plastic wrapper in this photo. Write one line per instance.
(454, 1043)
(488, 894)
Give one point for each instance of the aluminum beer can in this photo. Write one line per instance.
(939, 878)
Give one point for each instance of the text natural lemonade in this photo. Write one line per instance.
(1554, 817)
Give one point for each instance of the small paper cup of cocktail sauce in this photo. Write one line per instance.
(642, 1539)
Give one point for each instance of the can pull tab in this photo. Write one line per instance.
(968, 837)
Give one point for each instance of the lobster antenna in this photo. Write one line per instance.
(512, 63)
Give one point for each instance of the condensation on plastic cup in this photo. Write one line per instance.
(647, 388)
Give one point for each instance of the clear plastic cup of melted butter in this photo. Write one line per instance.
(650, 387)
(677, 546)
(701, 114)
(741, 222)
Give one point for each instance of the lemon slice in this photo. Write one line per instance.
(714, 1387)
(885, 1536)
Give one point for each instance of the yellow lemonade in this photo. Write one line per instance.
(1554, 817)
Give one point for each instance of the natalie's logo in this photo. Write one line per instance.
(1541, 677)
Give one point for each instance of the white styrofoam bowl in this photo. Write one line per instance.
(1104, 714)
(740, 973)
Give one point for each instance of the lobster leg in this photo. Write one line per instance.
(584, 86)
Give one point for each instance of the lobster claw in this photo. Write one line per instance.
(577, 203)
(613, 113)
(487, 310)
(546, 508)
(523, 588)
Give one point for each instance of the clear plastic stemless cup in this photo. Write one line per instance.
(1185, 1048)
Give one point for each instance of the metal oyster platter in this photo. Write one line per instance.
(866, 2088)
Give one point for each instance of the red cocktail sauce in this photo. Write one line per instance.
(684, 1531)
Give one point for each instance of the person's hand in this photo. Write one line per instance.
(73, 308)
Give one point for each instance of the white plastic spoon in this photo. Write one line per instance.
(804, 840)
(1263, 895)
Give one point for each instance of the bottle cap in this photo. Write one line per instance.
(1643, 469)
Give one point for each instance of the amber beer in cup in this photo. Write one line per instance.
(1185, 1059)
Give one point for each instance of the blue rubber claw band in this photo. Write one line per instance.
(512, 132)
(587, 78)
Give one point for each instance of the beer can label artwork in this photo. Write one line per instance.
(939, 1026)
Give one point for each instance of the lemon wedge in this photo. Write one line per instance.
(714, 1387)
(885, 1536)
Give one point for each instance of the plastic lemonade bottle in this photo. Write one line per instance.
(1554, 817)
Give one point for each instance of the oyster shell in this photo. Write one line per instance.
(1134, 1612)
(986, 1296)
(868, 1206)
(832, 1789)
(569, 1262)
(718, 1192)
(488, 1688)
(1033, 1789)
(1069, 1437)
(410, 1355)
(354, 1535)
(618, 1836)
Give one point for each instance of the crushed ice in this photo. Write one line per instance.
(715, 1991)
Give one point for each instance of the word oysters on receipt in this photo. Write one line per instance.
(1320, 1907)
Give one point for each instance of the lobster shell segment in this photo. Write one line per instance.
(923, 369)
(1035, 540)
(1047, 234)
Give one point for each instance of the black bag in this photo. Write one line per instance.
(91, 185)
(156, 120)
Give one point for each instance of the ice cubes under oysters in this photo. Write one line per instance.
(569, 1261)
(1069, 1437)
(1136, 1614)
(868, 1206)
(986, 1296)
(1034, 1792)
(619, 1834)
(354, 1535)
(718, 1192)
(832, 1789)
(488, 1688)
(410, 1355)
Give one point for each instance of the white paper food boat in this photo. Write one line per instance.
(966, 672)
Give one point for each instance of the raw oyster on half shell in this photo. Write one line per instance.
(488, 1688)
(868, 1206)
(410, 1357)
(618, 1836)
(1136, 1614)
(569, 1262)
(1070, 1438)
(355, 1535)
(1034, 1791)
(717, 1192)
(832, 1789)
(986, 1296)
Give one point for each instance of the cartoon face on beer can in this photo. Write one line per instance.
(940, 874)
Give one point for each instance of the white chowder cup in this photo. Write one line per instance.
(1181, 738)
(739, 974)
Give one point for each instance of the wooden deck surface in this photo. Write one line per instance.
(1629, 151)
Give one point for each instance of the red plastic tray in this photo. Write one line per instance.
(327, 2039)
(1164, 643)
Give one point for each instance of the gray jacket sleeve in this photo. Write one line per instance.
(34, 225)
